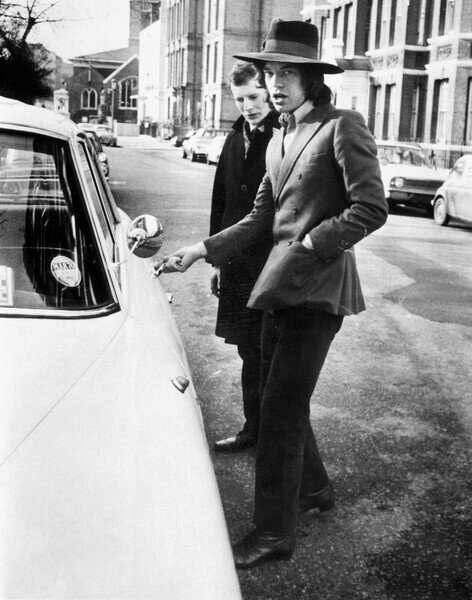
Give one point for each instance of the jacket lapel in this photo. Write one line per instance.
(306, 130)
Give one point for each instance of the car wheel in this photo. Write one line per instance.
(184, 154)
(194, 157)
(440, 212)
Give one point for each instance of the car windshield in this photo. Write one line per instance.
(49, 258)
(401, 155)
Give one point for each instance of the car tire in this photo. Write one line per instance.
(440, 212)
(193, 157)
(184, 154)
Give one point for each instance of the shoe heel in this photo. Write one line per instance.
(326, 505)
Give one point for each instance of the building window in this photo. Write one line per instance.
(346, 31)
(415, 100)
(468, 114)
(374, 115)
(150, 12)
(440, 106)
(89, 99)
(323, 29)
(337, 12)
(215, 62)
(393, 18)
(217, 14)
(208, 15)
(128, 88)
(425, 22)
(442, 17)
(207, 64)
(378, 24)
(389, 112)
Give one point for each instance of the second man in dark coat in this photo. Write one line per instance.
(238, 175)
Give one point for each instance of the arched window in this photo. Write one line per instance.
(128, 88)
(89, 99)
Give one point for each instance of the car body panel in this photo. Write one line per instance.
(215, 148)
(196, 146)
(457, 190)
(107, 488)
(419, 181)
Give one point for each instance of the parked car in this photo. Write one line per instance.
(106, 484)
(454, 198)
(408, 176)
(196, 146)
(107, 135)
(97, 146)
(214, 149)
(177, 140)
(87, 127)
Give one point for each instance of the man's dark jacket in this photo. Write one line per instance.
(236, 183)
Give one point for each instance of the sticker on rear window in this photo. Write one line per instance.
(6, 286)
(65, 271)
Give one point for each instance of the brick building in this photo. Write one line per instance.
(105, 78)
(202, 36)
(417, 84)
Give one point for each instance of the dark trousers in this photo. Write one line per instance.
(250, 352)
(294, 345)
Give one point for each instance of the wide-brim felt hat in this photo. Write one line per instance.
(291, 42)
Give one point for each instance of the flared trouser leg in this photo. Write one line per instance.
(295, 343)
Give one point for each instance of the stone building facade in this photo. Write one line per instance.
(417, 81)
(202, 36)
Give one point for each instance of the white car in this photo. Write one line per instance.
(453, 199)
(215, 148)
(408, 176)
(196, 146)
(107, 489)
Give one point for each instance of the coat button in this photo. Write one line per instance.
(244, 188)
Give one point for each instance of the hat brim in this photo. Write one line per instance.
(323, 67)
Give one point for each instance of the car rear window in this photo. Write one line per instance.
(49, 255)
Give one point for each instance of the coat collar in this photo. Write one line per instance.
(271, 121)
(307, 128)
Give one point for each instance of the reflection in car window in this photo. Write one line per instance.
(92, 183)
(399, 155)
(49, 257)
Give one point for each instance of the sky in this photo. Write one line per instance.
(85, 27)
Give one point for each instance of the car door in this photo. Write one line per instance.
(454, 188)
(464, 192)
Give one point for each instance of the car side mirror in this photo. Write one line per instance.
(145, 236)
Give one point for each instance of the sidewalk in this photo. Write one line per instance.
(144, 142)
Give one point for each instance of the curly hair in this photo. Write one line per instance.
(242, 72)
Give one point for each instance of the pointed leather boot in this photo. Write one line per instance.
(259, 547)
(323, 500)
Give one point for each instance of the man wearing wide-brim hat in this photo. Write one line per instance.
(322, 194)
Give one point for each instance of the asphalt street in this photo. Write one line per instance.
(392, 410)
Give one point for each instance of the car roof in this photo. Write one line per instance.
(15, 113)
(395, 144)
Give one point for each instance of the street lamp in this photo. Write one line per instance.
(113, 88)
